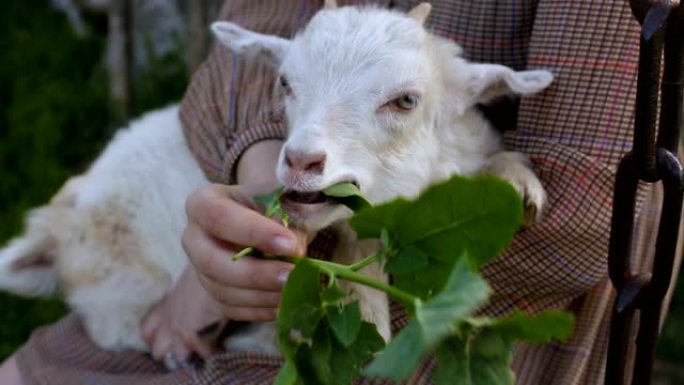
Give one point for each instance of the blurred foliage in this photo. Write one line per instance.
(54, 119)
(163, 80)
(671, 344)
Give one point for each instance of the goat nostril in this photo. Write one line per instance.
(316, 166)
(308, 162)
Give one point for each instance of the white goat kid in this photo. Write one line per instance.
(374, 99)
(110, 239)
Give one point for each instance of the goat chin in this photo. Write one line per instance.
(312, 218)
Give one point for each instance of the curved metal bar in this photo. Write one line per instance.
(651, 301)
(646, 111)
(641, 8)
(672, 88)
(624, 201)
(656, 17)
(671, 172)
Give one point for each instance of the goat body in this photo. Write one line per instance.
(110, 239)
(371, 98)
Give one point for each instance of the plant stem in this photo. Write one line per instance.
(242, 253)
(363, 263)
(346, 272)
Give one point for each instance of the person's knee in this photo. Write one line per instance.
(9, 372)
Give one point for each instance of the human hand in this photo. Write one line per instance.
(172, 328)
(222, 220)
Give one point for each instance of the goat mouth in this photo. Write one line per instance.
(306, 198)
(297, 197)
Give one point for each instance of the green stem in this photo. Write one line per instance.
(242, 253)
(363, 263)
(345, 272)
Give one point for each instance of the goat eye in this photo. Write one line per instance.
(405, 102)
(282, 80)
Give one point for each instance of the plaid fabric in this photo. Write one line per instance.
(574, 132)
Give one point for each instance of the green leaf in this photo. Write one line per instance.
(453, 356)
(464, 293)
(328, 362)
(347, 194)
(345, 322)
(433, 321)
(408, 259)
(287, 375)
(273, 206)
(300, 307)
(269, 199)
(490, 343)
(333, 294)
(313, 360)
(493, 368)
(348, 361)
(424, 282)
(401, 356)
(541, 328)
(479, 215)
(384, 239)
(460, 363)
(486, 359)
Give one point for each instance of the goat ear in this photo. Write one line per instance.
(420, 12)
(490, 81)
(27, 264)
(67, 196)
(269, 48)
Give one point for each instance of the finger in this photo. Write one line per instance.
(162, 344)
(215, 263)
(239, 297)
(251, 314)
(217, 212)
(150, 325)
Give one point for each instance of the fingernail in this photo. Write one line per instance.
(282, 277)
(283, 245)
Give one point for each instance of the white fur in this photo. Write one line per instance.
(342, 69)
(112, 234)
(110, 239)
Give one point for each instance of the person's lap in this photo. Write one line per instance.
(62, 353)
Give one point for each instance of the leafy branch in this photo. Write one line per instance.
(433, 247)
